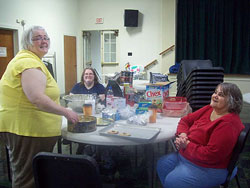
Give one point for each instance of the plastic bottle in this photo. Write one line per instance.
(152, 110)
(110, 98)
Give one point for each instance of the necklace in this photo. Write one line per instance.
(89, 87)
(215, 116)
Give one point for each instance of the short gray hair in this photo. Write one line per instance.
(27, 36)
(234, 95)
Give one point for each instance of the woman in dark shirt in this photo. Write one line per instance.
(89, 84)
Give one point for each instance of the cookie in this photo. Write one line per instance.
(125, 134)
(113, 132)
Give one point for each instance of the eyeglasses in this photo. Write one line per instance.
(88, 74)
(40, 38)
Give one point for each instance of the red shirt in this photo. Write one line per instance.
(211, 142)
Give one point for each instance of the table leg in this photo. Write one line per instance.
(150, 163)
(59, 144)
(70, 148)
(136, 157)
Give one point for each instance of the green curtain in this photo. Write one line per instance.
(218, 30)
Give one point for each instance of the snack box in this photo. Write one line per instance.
(157, 92)
(145, 104)
(141, 110)
(119, 102)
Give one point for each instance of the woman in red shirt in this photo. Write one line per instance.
(205, 140)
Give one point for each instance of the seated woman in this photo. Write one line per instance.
(205, 140)
(89, 85)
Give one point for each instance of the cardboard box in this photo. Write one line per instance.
(157, 93)
(144, 104)
(119, 102)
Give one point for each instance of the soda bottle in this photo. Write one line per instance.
(109, 98)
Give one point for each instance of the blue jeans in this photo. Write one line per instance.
(175, 171)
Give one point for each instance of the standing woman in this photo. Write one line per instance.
(30, 112)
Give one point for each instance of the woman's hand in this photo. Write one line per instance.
(71, 116)
(181, 142)
(183, 135)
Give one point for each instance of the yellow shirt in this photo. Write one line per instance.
(17, 114)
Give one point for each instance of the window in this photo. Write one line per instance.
(109, 43)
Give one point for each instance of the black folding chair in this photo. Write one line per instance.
(58, 170)
(235, 156)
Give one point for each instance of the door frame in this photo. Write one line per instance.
(17, 35)
(87, 48)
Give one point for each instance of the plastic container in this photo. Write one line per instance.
(110, 98)
(175, 106)
(175, 113)
(76, 101)
(176, 103)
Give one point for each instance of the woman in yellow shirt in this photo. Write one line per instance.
(30, 112)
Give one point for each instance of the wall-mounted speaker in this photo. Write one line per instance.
(131, 18)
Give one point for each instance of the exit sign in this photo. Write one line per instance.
(99, 21)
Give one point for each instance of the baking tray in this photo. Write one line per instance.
(133, 132)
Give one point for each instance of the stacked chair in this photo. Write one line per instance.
(197, 80)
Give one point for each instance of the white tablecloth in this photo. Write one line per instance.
(167, 125)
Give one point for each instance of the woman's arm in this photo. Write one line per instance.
(34, 85)
(187, 121)
(220, 145)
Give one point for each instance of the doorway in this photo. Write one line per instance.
(6, 49)
(100, 50)
(70, 66)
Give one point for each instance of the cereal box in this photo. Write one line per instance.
(157, 93)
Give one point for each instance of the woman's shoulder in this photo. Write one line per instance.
(26, 60)
(99, 85)
(233, 120)
(77, 86)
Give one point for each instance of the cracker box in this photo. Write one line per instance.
(157, 92)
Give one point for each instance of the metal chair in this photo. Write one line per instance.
(58, 170)
(235, 156)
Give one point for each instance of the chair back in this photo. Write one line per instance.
(188, 65)
(238, 148)
(58, 170)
